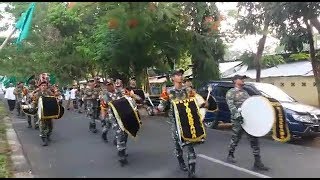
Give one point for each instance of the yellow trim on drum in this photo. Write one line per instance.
(198, 139)
(274, 104)
(50, 117)
(118, 117)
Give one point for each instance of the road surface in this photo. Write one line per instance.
(75, 152)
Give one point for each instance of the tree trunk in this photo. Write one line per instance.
(261, 44)
(314, 62)
(315, 22)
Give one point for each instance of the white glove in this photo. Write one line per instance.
(26, 106)
(239, 110)
(146, 95)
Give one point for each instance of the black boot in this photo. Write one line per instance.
(44, 141)
(123, 160)
(104, 136)
(29, 124)
(182, 165)
(192, 170)
(258, 165)
(92, 127)
(115, 141)
(231, 158)
(48, 137)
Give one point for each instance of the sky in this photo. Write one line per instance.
(247, 43)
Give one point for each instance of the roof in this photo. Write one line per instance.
(228, 65)
(301, 68)
(156, 80)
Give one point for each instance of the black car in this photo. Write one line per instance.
(303, 120)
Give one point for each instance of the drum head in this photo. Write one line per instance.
(258, 116)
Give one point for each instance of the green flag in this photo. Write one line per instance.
(24, 23)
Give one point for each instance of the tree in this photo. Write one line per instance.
(294, 28)
(256, 19)
(206, 47)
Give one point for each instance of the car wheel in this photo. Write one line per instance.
(150, 111)
(309, 137)
(211, 124)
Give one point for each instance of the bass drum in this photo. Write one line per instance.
(258, 116)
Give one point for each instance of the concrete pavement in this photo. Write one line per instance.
(76, 152)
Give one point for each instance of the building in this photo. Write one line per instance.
(296, 79)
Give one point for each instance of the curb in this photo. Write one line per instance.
(20, 164)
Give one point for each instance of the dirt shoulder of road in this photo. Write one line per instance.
(6, 170)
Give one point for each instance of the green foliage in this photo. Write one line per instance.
(272, 60)
(299, 56)
(78, 42)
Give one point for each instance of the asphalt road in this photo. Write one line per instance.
(75, 152)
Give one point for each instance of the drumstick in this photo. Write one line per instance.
(209, 92)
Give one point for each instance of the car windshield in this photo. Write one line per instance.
(272, 91)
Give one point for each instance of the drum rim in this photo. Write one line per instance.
(271, 107)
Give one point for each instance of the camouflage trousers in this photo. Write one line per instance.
(18, 107)
(237, 131)
(35, 119)
(121, 136)
(45, 127)
(109, 123)
(178, 150)
(92, 110)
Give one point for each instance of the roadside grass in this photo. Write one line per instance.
(5, 161)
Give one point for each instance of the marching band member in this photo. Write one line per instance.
(108, 120)
(121, 135)
(180, 92)
(235, 97)
(91, 96)
(18, 92)
(46, 125)
(29, 98)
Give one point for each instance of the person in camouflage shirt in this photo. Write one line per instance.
(91, 96)
(107, 95)
(121, 136)
(30, 95)
(18, 92)
(45, 125)
(235, 97)
(181, 92)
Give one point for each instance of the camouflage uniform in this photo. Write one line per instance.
(18, 93)
(235, 97)
(180, 94)
(46, 125)
(91, 96)
(29, 101)
(109, 120)
(81, 102)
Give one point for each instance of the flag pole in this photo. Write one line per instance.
(7, 39)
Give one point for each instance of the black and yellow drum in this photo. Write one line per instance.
(49, 108)
(188, 121)
(126, 116)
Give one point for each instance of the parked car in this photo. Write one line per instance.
(303, 120)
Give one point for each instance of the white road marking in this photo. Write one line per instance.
(233, 166)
